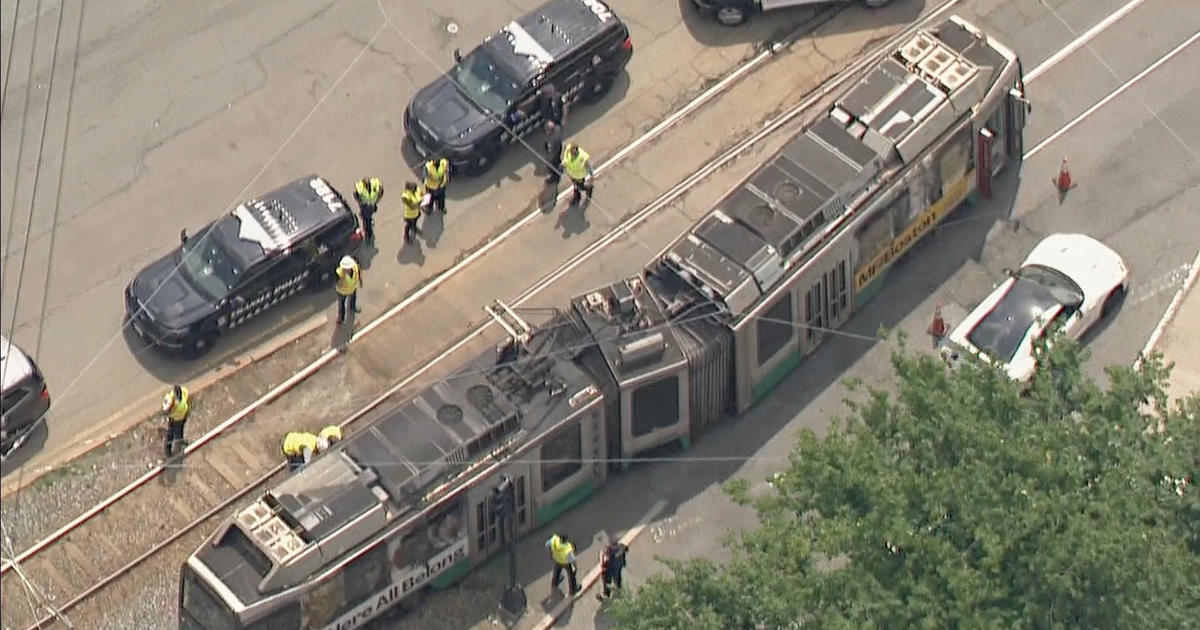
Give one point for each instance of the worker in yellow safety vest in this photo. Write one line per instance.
(176, 406)
(576, 164)
(413, 199)
(299, 447)
(331, 433)
(562, 551)
(368, 191)
(437, 175)
(349, 279)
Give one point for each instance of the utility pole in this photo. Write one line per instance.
(504, 511)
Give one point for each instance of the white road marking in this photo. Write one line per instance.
(1111, 95)
(1081, 40)
(1144, 292)
(594, 573)
(1169, 314)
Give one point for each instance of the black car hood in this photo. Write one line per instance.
(170, 300)
(439, 107)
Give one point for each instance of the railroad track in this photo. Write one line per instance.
(86, 557)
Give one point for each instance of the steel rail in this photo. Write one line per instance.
(623, 228)
(707, 95)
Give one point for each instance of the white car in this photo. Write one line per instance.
(1070, 281)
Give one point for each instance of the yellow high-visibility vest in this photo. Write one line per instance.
(369, 194)
(332, 433)
(178, 408)
(296, 442)
(560, 551)
(412, 203)
(435, 173)
(575, 167)
(347, 280)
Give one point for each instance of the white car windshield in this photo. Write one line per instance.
(1036, 291)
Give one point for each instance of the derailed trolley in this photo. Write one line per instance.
(707, 329)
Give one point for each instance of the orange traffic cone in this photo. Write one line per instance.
(1063, 182)
(937, 327)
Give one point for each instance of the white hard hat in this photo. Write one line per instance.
(347, 262)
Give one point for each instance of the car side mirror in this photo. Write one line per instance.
(183, 237)
(457, 56)
(1009, 272)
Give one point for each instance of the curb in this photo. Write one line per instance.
(122, 421)
(1169, 314)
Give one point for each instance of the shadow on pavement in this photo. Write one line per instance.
(32, 446)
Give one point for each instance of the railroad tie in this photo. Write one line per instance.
(210, 496)
(254, 461)
(80, 560)
(61, 584)
(110, 546)
(186, 513)
(225, 470)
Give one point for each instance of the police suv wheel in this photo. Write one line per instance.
(731, 16)
(483, 162)
(200, 346)
(597, 87)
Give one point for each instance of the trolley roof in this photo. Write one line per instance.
(899, 108)
(405, 458)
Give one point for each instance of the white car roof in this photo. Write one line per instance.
(14, 364)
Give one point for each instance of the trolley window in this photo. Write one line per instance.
(562, 456)
(775, 328)
(655, 406)
(286, 618)
(201, 608)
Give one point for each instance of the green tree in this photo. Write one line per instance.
(959, 501)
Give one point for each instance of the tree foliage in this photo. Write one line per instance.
(960, 501)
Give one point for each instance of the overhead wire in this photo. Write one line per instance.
(37, 170)
(12, 44)
(12, 202)
(570, 350)
(187, 254)
(33, 588)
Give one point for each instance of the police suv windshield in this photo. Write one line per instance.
(485, 82)
(208, 266)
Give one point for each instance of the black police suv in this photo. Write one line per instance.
(241, 265)
(490, 97)
(25, 396)
(734, 12)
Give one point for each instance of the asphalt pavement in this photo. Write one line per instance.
(1133, 159)
(120, 126)
(1135, 165)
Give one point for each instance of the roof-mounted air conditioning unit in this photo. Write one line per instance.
(916, 48)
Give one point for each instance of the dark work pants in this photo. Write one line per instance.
(342, 300)
(368, 217)
(613, 578)
(174, 436)
(580, 187)
(410, 228)
(571, 578)
(553, 164)
(295, 462)
(437, 199)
